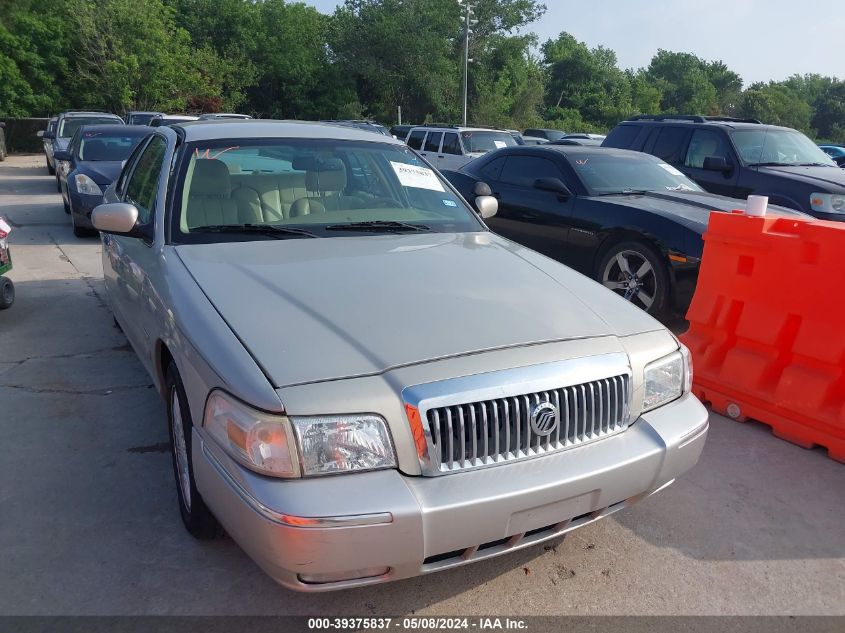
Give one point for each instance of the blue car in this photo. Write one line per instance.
(836, 152)
(94, 157)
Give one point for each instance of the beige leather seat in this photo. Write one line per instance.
(268, 196)
(325, 184)
(210, 198)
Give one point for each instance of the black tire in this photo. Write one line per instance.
(77, 230)
(67, 206)
(651, 291)
(50, 169)
(7, 293)
(58, 184)
(197, 518)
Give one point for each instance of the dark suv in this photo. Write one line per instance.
(740, 157)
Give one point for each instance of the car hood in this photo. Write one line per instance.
(103, 172)
(310, 310)
(689, 208)
(829, 179)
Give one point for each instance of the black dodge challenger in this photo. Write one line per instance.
(626, 219)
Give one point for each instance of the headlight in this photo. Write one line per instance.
(667, 379)
(261, 441)
(828, 202)
(87, 186)
(272, 444)
(346, 443)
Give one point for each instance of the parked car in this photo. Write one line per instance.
(533, 140)
(548, 134)
(3, 150)
(836, 152)
(138, 117)
(740, 157)
(171, 119)
(452, 146)
(48, 144)
(360, 387)
(584, 136)
(66, 125)
(95, 156)
(626, 219)
(589, 142)
(400, 132)
(222, 115)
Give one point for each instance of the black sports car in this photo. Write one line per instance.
(626, 219)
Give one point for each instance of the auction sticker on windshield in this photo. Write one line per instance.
(417, 177)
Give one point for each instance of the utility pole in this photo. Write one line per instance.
(468, 21)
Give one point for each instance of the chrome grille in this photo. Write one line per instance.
(487, 432)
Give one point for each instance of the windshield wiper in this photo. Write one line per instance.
(771, 164)
(378, 225)
(272, 230)
(814, 165)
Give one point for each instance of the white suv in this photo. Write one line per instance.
(452, 147)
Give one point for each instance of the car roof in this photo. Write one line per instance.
(88, 113)
(269, 128)
(459, 128)
(573, 151)
(131, 130)
(739, 125)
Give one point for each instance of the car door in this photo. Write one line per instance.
(533, 217)
(431, 147)
(706, 143)
(451, 152)
(132, 258)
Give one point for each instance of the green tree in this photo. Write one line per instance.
(776, 104)
(684, 83)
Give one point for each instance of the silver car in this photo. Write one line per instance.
(363, 383)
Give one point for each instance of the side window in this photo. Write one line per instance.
(415, 139)
(670, 143)
(706, 143)
(524, 170)
(451, 144)
(142, 187)
(432, 142)
(492, 170)
(622, 136)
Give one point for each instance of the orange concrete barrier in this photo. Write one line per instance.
(767, 326)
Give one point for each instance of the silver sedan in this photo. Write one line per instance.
(363, 383)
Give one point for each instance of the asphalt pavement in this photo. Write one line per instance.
(89, 522)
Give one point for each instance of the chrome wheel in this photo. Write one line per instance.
(180, 448)
(632, 276)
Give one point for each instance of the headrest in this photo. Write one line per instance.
(326, 177)
(211, 178)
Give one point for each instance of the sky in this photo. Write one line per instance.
(759, 39)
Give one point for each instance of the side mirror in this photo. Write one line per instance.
(482, 189)
(487, 206)
(555, 185)
(62, 155)
(2, 124)
(115, 217)
(49, 135)
(716, 163)
(40, 134)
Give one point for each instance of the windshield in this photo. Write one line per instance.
(69, 125)
(324, 187)
(778, 147)
(604, 174)
(140, 119)
(100, 146)
(480, 141)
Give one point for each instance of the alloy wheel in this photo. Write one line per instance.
(632, 276)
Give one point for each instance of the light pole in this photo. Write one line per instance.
(468, 21)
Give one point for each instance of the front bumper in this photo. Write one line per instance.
(415, 525)
(81, 206)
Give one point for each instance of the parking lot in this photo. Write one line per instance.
(89, 521)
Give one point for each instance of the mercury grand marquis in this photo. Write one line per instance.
(363, 383)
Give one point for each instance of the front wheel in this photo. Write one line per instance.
(50, 169)
(7, 293)
(637, 273)
(196, 516)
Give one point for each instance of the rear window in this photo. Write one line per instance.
(622, 136)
